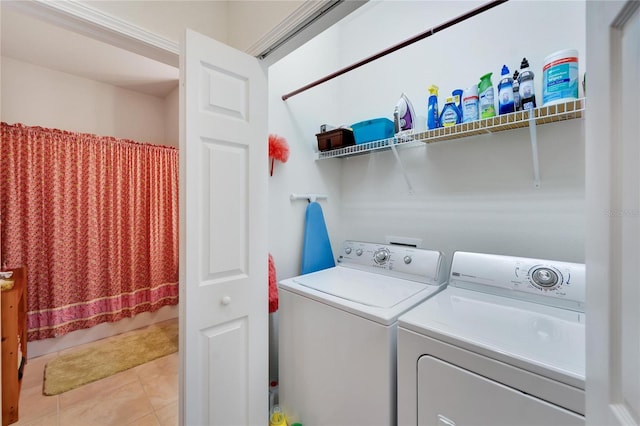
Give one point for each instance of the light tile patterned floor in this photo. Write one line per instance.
(146, 395)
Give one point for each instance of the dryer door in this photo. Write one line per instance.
(449, 395)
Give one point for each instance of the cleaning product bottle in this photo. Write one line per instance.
(527, 92)
(470, 104)
(450, 113)
(516, 91)
(457, 97)
(432, 108)
(485, 88)
(505, 92)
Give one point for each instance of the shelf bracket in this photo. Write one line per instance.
(404, 172)
(534, 148)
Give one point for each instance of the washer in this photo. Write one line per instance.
(338, 328)
(503, 344)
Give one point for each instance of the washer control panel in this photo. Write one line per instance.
(395, 260)
(546, 281)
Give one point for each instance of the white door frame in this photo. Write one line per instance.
(613, 213)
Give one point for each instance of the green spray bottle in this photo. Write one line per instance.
(485, 92)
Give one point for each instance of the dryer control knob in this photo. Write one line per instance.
(347, 250)
(381, 256)
(545, 278)
(359, 252)
(407, 259)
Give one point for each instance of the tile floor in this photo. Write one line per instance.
(146, 395)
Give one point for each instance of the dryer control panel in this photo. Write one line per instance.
(554, 283)
(395, 260)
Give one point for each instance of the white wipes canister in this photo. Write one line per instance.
(560, 77)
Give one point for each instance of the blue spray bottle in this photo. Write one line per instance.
(457, 94)
(432, 108)
(450, 113)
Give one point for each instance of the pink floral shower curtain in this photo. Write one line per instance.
(94, 219)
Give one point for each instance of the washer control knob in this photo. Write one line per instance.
(545, 278)
(359, 252)
(407, 259)
(347, 250)
(381, 256)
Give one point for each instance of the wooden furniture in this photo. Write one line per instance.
(14, 343)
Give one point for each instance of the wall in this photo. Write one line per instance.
(172, 117)
(472, 194)
(297, 120)
(39, 96)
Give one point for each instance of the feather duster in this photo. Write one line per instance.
(278, 149)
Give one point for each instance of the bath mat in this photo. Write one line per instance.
(114, 355)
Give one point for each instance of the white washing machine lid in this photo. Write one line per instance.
(374, 296)
(545, 340)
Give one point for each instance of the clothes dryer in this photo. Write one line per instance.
(503, 344)
(338, 328)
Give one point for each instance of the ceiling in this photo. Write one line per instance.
(37, 42)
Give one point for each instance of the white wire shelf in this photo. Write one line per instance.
(543, 115)
(379, 145)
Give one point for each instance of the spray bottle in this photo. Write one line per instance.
(527, 92)
(505, 92)
(485, 89)
(457, 95)
(470, 104)
(450, 113)
(432, 108)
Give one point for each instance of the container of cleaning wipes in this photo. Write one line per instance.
(560, 77)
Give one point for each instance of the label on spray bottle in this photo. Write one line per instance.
(450, 114)
(487, 107)
(527, 96)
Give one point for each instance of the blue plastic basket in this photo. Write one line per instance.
(372, 130)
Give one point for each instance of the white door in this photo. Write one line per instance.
(223, 247)
(613, 213)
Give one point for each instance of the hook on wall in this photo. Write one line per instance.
(312, 198)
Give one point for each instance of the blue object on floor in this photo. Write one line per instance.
(316, 248)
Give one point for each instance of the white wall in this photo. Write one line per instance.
(172, 117)
(38, 96)
(474, 193)
(298, 120)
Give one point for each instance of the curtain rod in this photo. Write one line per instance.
(398, 46)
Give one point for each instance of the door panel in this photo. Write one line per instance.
(223, 256)
(227, 367)
(613, 212)
(452, 396)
